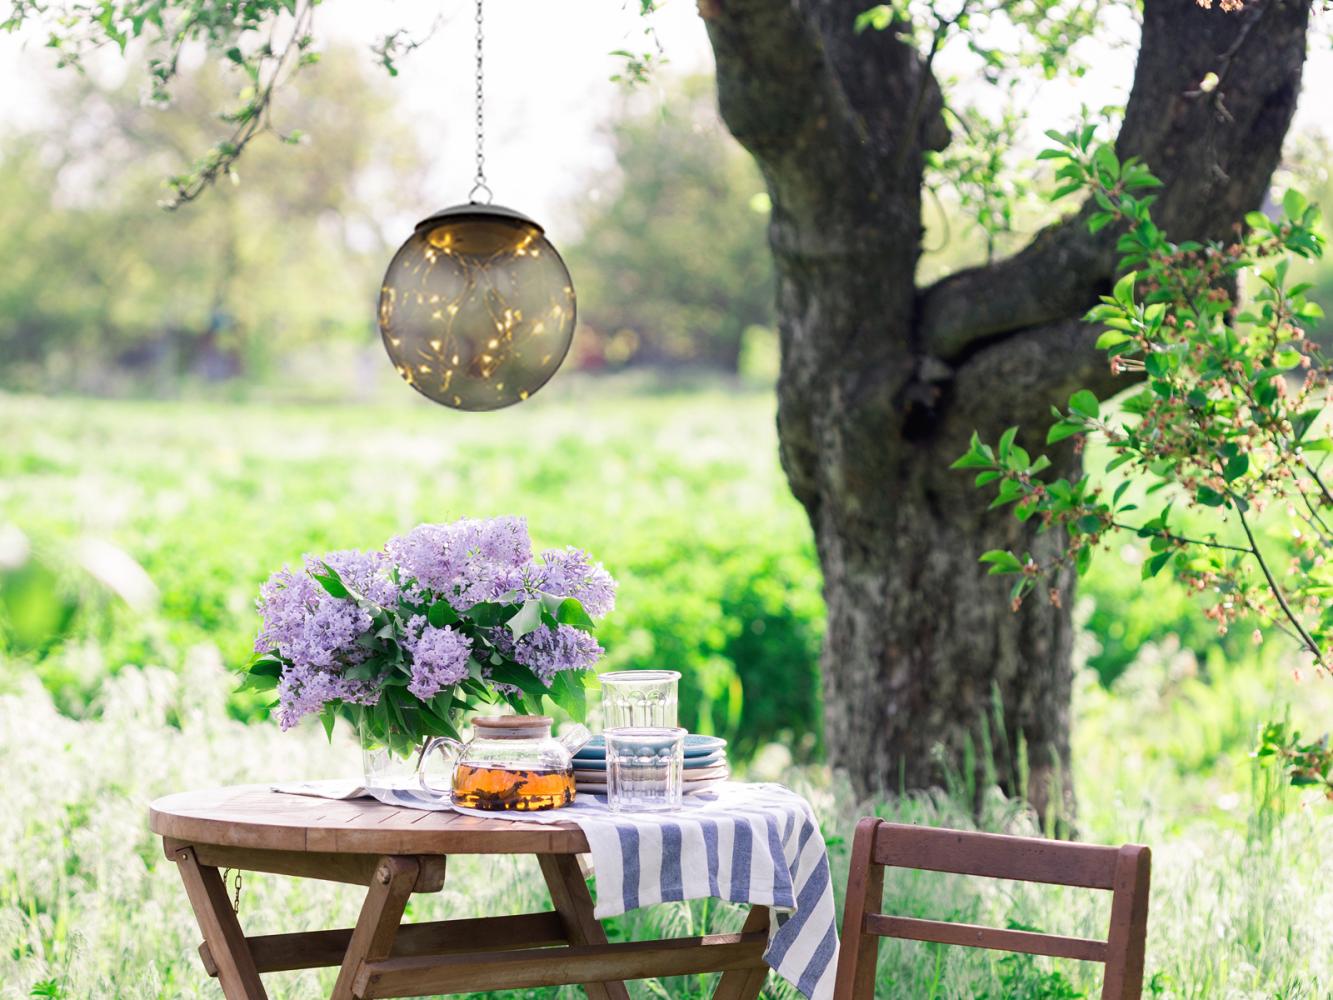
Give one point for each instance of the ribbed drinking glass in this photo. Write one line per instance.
(644, 768)
(639, 698)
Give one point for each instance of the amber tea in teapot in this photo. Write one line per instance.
(514, 763)
(508, 788)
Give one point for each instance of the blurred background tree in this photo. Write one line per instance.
(102, 292)
(671, 264)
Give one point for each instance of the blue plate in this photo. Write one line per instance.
(597, 765)
(696, 745)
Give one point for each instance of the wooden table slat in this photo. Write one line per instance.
(255, 816)
(532, 968)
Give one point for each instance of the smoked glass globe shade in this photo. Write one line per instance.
(477, 308)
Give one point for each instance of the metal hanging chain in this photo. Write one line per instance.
(235, 899)
(479, 186)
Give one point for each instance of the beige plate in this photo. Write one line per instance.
(598, 780)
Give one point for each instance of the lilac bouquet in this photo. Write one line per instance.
(445, 618)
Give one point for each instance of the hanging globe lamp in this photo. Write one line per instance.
(477, 309)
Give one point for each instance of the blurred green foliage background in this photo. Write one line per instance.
(190, 400)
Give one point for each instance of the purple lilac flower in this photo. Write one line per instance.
(284, 604)
(502, 639)
(304, 690)
(367, 573)
(412, 630)
(546, 651)
(307, 625)
(570, 572)
(439, 660)
(468, 561)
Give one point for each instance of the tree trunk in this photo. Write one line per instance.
(882, 383)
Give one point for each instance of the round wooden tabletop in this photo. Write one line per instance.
(255, 816)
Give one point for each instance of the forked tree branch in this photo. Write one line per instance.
(1214, 150)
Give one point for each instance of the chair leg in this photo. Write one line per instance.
(222, 932)
(858, 954)
(569, 893)
(376, 928)
(1129, 924)
(745, 984)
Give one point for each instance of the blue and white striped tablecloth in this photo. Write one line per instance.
(757, 844)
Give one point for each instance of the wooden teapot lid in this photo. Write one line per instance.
(513, 726)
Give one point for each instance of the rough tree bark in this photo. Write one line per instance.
(882, 382)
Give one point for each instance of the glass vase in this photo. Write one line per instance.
(404, 769)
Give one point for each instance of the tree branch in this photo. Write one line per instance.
(802, 91)
(1306, 638)
(1214, 151)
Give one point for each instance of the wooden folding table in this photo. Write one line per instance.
(396, 852)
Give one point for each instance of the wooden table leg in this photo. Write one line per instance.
(569, 893)
(745, 984)
(222, 933)
(376, 928)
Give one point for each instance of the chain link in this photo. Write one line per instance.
(479, 185)
(236, 897)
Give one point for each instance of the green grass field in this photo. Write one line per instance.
(681, 496)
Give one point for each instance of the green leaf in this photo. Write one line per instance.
(972, 460)
(1124, 289)
(1294, 204)
(257, 682)
(1105, 160)
(1301, 423)
(878, 17)
(1099, 221)
(1006, 442)
(1236, 467)
(328, 717)
(1209, 497)
(1112, 338)
(331, 582)
(529, 617)
(568, 692)
(1287, 359)
(1001, 562)
(1257, 220)
(440, 614)
(520, 677)
(1064, 429)
(1154, 565)
(486, 614)
(1083, 560)
(1085, 404)
(265, 666)
(571, 612)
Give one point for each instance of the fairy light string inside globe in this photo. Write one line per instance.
(477, 309)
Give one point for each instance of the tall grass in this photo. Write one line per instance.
(90, 907)
(683, 498)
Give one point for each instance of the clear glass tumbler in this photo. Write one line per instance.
(642, 698)
(644, 768)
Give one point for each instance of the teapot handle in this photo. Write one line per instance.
(575, 738)
(444, 744)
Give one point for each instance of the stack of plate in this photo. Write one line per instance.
(705, 763)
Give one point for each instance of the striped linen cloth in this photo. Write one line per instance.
(747, 843)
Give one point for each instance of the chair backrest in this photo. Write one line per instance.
(1125, 871)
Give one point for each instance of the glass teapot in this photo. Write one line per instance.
(512, 762)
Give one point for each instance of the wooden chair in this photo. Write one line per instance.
(1124, 871)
